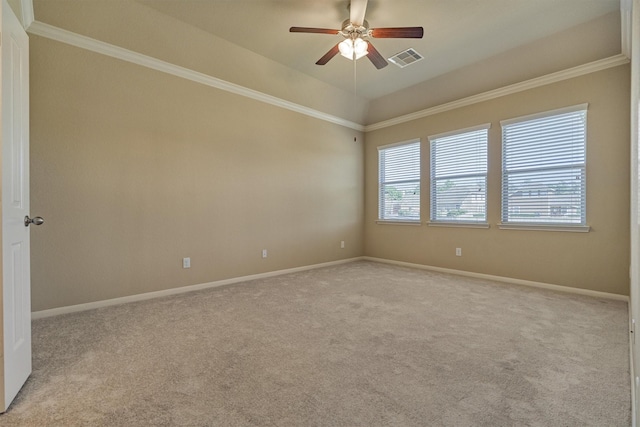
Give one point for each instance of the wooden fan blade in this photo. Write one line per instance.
(327, 56)
(313, 30)
(357, 9)
(375, 57)
(398, 33)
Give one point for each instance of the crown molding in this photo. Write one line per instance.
(83, 42)
(58, 34)
(559, 76)
(625, 26)
(27, 13)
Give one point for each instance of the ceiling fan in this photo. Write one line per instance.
(355, 30)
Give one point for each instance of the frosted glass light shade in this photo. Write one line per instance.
(360, 47)
(347, 48)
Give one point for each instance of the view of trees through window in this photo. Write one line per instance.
(543, 173)
(459, 176)
(399, 175)
(402, 201)
(461, 199)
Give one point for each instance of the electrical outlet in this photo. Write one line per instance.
(342, 244)
(264, 253)
(458, 251)
(186, 262)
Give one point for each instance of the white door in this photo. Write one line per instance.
(634, 9)
(16, 277)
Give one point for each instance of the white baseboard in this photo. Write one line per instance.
(174, 291)
(510, 280)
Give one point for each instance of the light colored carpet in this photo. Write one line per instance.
(360, 344)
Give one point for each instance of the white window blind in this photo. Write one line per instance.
(399, 182)
(459, 176)
(543, 168)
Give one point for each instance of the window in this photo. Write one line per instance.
(543, 168)
(399, 182)
(459, 176)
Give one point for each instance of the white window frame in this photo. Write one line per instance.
(441, 138)
(383, 182)
(510, 223)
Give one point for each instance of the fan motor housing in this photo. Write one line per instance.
(351, 31)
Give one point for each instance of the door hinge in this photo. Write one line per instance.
(633, 330)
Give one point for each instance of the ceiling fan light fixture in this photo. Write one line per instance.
(358, 47)
(354, 30)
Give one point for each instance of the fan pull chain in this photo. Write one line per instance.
(355, 85)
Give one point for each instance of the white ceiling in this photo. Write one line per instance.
(457, 32)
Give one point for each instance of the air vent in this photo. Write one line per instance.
(406, 57)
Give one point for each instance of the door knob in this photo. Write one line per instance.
(35, 220)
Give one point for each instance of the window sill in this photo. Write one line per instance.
(458, 224)
(546, 227)
(398, 222)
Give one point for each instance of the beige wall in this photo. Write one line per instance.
(134, 169)
(598, 260)
(134, 26)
